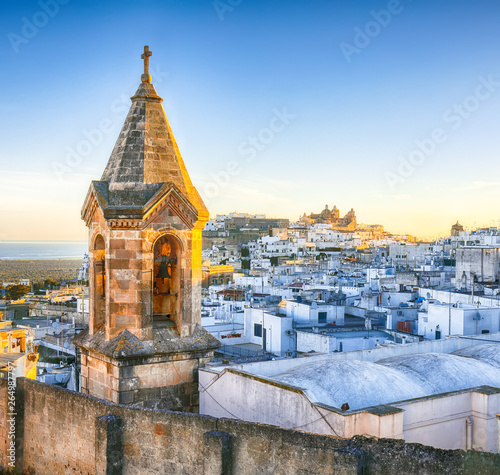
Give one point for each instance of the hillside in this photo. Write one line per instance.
(38, 270)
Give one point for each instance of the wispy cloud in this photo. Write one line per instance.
(477, 185)
(473, 186)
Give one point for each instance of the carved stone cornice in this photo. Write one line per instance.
(124, 223)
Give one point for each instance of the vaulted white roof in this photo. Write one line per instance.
(363, 384)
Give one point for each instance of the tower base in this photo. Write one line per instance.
(161, 373)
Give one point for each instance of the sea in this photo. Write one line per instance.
(43, 249)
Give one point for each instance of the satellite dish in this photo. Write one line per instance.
(314, 305)
(56, 324)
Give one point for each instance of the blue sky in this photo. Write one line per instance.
(278, 106)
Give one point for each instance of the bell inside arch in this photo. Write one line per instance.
(163, 271)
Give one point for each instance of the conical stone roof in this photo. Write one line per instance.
(146, 153)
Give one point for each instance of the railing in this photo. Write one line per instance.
(231, 350)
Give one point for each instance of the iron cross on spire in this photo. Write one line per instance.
(145, 56)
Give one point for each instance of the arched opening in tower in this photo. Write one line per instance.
(166, 282)
(98, 254)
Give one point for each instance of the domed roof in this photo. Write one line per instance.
(488, 353)
(326, 212)
(363, 384)
(439, 373)
(359, 383)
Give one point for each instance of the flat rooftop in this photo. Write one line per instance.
(350, 334)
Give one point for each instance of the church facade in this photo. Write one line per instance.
(332, 216)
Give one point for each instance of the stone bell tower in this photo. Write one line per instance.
(144, 343)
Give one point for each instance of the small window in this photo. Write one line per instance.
(257, 330)
(322, 317)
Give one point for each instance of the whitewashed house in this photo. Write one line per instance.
(443, 319)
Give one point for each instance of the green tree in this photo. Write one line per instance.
(16, 291)
(49, 283)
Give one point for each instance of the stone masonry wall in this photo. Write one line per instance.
(171, 384)
(60, 431)
(4, 429)
(124, 283)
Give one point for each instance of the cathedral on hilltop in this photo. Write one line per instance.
(332, 216)
(456, 229)
(145, 343)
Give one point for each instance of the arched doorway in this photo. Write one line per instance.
(166, 281)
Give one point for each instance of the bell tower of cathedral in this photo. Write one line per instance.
(145, 342)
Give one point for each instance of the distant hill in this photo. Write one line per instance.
(37, 270)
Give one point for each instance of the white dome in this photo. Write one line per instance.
(359, 383)
(488, 353)
(440, 373)
(363, 384)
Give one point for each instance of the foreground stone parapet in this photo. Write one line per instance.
(109, 445)
(60, 431)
